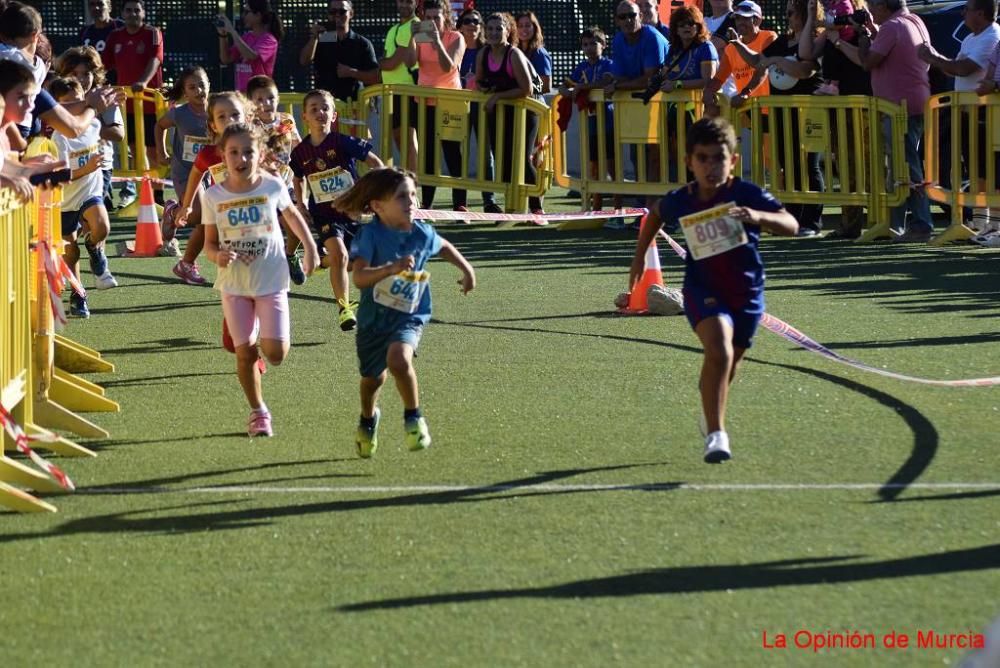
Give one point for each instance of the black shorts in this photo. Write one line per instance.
(397, 112)
(148, 130)
(337, 229)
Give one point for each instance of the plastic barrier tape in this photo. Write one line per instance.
(21, 441)
(783, 329)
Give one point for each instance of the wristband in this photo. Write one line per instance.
(678, 85)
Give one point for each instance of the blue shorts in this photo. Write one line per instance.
(72, 220)
(334, 229)
(373, 347)
(699, 303)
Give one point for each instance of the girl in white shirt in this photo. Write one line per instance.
(243, 237)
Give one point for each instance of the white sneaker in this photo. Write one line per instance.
(169, 249)
(717, 447)
(106, 281)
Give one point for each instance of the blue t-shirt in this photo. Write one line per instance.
(631, 60)
(336, 150)
(591, 73)
(738, 274)
(468, 65)
(378, 244)
(541, 60)
(689, 65)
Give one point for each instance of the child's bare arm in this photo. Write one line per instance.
(91, 166)
(646, 235)
(451, 254)
(374, 161)
(366, 276)
(780, 223)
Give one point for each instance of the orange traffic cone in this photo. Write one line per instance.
(653, 275)
(148, 238)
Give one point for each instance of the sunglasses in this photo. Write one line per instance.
(686, 24)
(470, 22)
(627, 16)
(338, 12)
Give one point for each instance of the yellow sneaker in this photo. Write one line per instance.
(367, 439)
(417, 435)
(346, 319)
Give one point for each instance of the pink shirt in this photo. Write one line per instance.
(902, 75)
(266, 46)
(431, 73)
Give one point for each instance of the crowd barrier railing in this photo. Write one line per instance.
(646, 156)
(455, 122)
(863, 136)
(968, 126)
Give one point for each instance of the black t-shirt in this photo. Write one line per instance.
(852, 79)
(354, 51)
(782, 49)
(91, 35)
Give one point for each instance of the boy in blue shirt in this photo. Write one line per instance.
(390, 255)
(722, 218)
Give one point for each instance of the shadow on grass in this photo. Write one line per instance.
(925, 436)
(720, 578)
(954, 496)
(150, 380)
(98, 444)
(179, 344)
(251, 517)
(991, 337)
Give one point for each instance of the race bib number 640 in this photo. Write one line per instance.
(713, 231)
(249, 218)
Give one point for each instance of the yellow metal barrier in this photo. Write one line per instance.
(651, 137)
(135, 160)
(452, 123)
(973, 141)
(349, 121)
(847, 129)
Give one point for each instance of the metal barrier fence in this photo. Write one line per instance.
(133, 158)
(969, 127)
(454, 121)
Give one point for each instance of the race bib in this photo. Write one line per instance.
(245, 224)
(192, 145)
(402, 291)
(327, 186)
(79, 157)
(712, 232)
(218, 172)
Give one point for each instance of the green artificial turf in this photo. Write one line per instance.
(557, 518)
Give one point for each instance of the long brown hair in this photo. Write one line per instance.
(81, 55)
(537, 40)
(376, 184)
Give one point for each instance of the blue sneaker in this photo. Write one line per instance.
(417, 435)
(295, 271)
(98, 260)
(78, 306)
(367, 439)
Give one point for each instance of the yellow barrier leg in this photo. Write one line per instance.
(76, 358)
(954, 232)
(22, 502)
(51, 415)
(29, 478)
(77, 394)
(61, 445)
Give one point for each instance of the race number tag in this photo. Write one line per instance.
(712, 232)
(192, 145)
(327, 186)
(218, 172)
(402, 291)
(245, 225)
(79, 157)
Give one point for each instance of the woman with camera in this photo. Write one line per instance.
(255, 51)
(502, 72)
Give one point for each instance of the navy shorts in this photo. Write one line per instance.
(700, 303)
(344, 230)
(72, 221)
(374, 346)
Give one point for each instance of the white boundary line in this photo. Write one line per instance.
(544, 487)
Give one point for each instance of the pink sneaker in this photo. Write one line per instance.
(261, 366)
(259, 424)
(188, 272)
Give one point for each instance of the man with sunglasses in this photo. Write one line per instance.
(639, 51)
(343, 59)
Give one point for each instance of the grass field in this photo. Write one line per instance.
(563, 515)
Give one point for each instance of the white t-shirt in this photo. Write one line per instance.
(113, 116)
(249, 224)
(977, 48)
(76, 152)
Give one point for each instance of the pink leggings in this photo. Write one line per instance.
(265, 315)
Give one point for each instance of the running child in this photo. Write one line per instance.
(390, 258)
(280, 137)
(190, 123)
(325, 165)
(83, 197)
(722, 218)
(224, 109)
(240, 216)
(83, 63)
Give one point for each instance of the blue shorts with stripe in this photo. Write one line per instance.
(743, 314)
